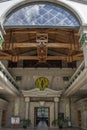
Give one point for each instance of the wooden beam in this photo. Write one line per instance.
(64, 58)
(4, 53)
(78, 55)
(56, 58)
(77, 58)
(58, 45)
(34, 45)
(5, 57)
(38, 30)
(23, 32)
(28, 58)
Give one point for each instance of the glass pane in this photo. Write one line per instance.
(42, 14)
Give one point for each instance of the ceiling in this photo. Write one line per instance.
(41, 45)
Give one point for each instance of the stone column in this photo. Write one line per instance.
(56, 100)
(27, 107)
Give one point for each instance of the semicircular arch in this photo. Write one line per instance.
(58, 3)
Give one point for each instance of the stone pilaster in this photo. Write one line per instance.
(27, 107)
(56, 100)
(84, 115)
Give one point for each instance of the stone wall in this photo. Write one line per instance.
(47, 104)
(62, 109)
(71, 113)
(3, 106)
(74, 116)
(10, 113)
(29, 76)
(81, 106)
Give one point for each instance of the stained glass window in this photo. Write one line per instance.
(41, 14)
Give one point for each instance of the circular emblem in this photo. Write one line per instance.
(42, 83)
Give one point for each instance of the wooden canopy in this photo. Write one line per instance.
(41, 44)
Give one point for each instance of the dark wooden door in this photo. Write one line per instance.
(79, 118)
(3, 118)
(35, 113)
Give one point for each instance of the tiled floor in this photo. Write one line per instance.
(42, 124)
(40, 128)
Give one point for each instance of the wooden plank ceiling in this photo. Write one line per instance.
(41, 44)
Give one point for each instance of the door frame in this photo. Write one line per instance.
(35, 112)
(79, 118)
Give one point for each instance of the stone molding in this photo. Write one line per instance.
(56, 99)
(27, 99)
(37, 93)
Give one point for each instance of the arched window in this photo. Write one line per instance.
(41, 14)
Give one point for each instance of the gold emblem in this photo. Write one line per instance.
(42, 83)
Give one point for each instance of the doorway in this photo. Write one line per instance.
(3, 118)
(79, 118)
(42, 116)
